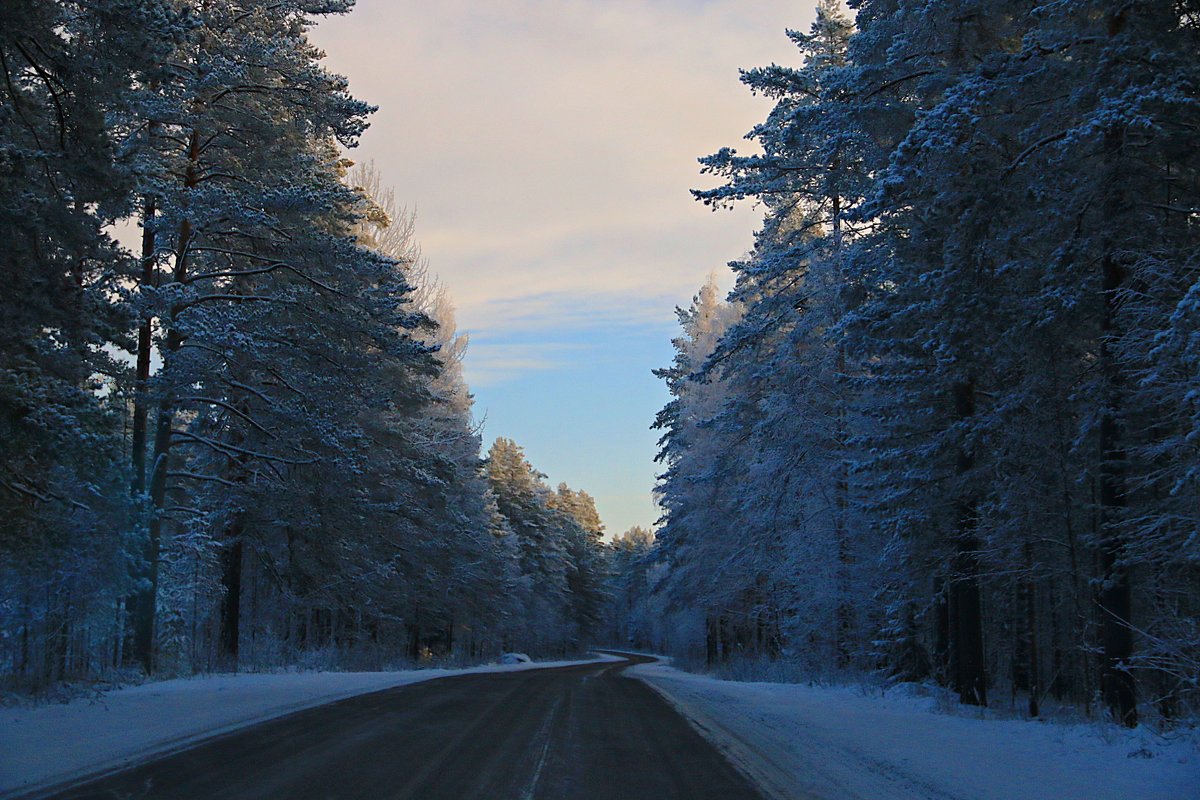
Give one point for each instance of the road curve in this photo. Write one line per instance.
(572, 733)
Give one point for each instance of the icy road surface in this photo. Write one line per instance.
(578, 732)
(47, 745)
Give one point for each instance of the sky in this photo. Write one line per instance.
(548, 148)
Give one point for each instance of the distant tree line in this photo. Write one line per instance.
(947, 426)
(631, 559)
(247, 441)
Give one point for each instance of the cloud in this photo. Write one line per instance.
(493, 363)
(549, 145)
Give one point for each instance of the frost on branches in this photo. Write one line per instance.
(248, 443)
(950, 435)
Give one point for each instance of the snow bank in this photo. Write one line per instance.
(45, 745)
(836, 743)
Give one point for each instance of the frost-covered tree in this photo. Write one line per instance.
(1007, 210)
(306, 480)
(931, 312)
(256, 266)
(630, 559)
(962, 364)
(697, 491)
(66, 67)
(556, 535)
(468, 560)
(1126, 242)
(587, 576)
(786, 362)
(522, 500)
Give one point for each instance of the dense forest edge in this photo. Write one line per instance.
(245, 442)
(945, 428)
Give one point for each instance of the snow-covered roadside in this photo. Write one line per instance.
(836, 743)
(44, 745)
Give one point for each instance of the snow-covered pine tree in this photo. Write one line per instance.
(270, 314)
(587, 576)
(698, 489)
(630, 558)
(785, 362)
(465, 569)
(931, 314)
(1110, 158)
(523, 500)
(66, 66)
(1021, 215)
(1013, 278)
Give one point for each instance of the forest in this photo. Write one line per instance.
(945, 428)
(243, 441)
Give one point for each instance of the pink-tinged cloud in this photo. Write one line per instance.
(549, 146)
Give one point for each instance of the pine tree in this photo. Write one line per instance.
(465, 568)
(786, 361)
(587, 575)
(66, 67)
(523, 499)
(697, 491)
(965, 332)
(630, 556)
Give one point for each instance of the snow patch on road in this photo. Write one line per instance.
(837, 743)
(47, 745)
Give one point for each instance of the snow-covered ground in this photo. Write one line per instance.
(840, 744)
(44, 745)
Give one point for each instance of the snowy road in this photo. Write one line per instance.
(574, 732)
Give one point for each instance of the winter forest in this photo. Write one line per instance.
(944, 429)
(245, 442)
(946, 426)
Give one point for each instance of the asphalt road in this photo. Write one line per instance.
(575, 733)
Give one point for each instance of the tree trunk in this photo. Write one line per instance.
(841, 488)
(941, 629)
(231, 604)
(1033, 668)
(141, 414)
(145, 612)
(968, 667)
(845, 558)
(1116, 596)
(414, 637)
(141, 409)
(1035, 678)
